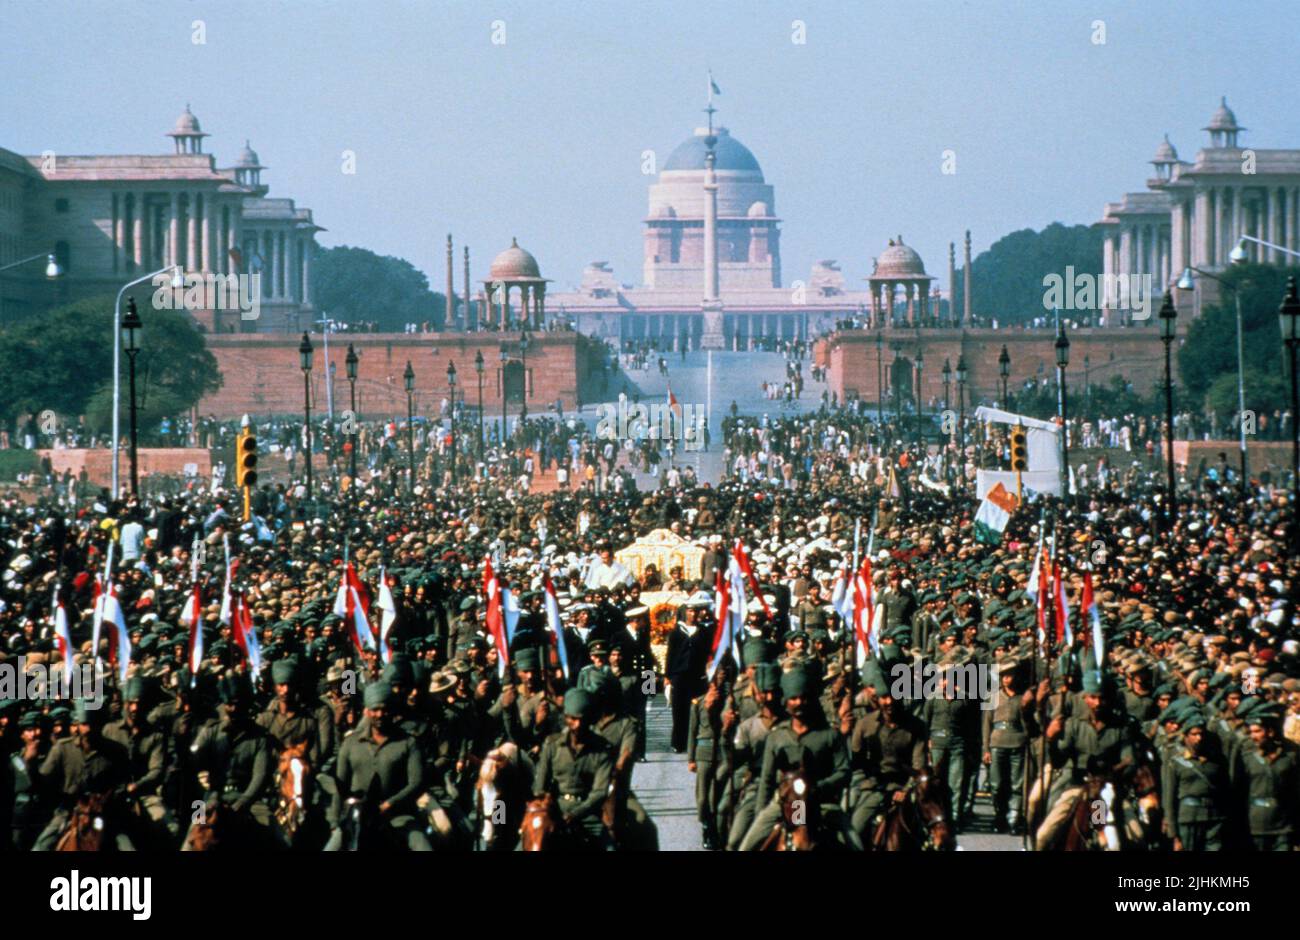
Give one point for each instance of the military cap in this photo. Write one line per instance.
(84, 714)
(527, 660)
(378, 694)
(578, 704)
(767, 676)
(460, 667)
(234, 690)
(442, 681)
(29, 719)
(1266, 714)
(398, 672)
(597, 647)
(798, 683)
(756, 650)
(134, 689)
(639, 611)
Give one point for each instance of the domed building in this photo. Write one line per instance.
(749, 253)
(511, 270)
(900, 266)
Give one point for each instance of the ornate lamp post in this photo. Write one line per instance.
(1004, 370)
(961, 418)
(920, 408)
(880, 378)
(408, 378)
(1290, 316)
(505, 357)
(131, 326)
(451, 384)
(351, 363)
(305, 361)
(478, 369)
(1062, 360)
(947, 382)
(524, 341)
(1168, 329)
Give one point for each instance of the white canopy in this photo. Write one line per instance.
(998, 416)
(1042, 438)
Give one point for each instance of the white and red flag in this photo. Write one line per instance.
(1090, 606)
(192, 615)
(62, 636)
(729, 608)
(1061, 608)
(496, 617)
(552, 605)
(389, 616)
(352, 604)
(742, 559)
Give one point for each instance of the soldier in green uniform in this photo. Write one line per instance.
(381, 764)
(524, 709)
(234, 755)
(708, 723)
(802, 740)
(633, 828)
(813, 613)
(1196, 790)
(31, 803)
(288, 720)
(85, 763)
(1007, 728)
(747, 748)
(147, 749)
(576, 767)
(887, 745)
(947, 718)
(1267, 779)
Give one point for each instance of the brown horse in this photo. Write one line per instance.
(293, 783)
(1099, 820)
(800, 816)
(917, 823)
(542, 828)
(86, 825)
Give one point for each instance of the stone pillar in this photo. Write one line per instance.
(890, 288)
(119, 231)
(952, 282)
(209, 232)
(965, 316)
(1293, 238)
(306, 270)
(450, 315)
(470, 318)
(910, 288)
(192, 233)
(1202, 230)
(232, 240)
(1139, 237)
(1125, 250)
(1176, 240)
(266, 250)
(137, 230)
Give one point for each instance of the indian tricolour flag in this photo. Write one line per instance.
(993, 515)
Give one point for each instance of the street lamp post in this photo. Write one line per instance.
(1168, 329)
(523, 355)
(408, 379)
(880, 378)
(351, 363)
(947, 381)
(1004, 371)
(961, 419)
(1062, 360)
(177, 282)
(1238, 255)
(895, 387)
(451, 384)
(305, 353)
(1289, 314)
(478, 369)
(920, 410)
(505, 357)
(131, 325)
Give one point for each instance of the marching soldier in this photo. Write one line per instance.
(147, 749)
(1196, 790)
(886, 745)
(576, 767)
(1268, 779)
(707, 727)
(747, 750)
(234, 755)
(1007, 728)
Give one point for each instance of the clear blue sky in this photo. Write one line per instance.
(542, 137)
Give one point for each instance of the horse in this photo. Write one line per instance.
(919, 822)
(1099, 820)
(500, 795)
(86, 827)
(360, 825)
(292, 815)
(800, 817)
(542, 828)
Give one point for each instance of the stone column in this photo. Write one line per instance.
(1125, 250)
(306, 270)
(192, 233)
(890, 287)
(1276, 232)
(1293, 238)
(119, 231)
(266, 250)
(952, 282)
(209, 230)
(910, 288)
(965, 317)
(1140, 254)
(232, 239)
(1202, 230)
(450, 315)
(1176, 217)
(470, 319)
(137, 230)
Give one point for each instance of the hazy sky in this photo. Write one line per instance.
(541, 136)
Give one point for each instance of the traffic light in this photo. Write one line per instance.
(246, 458)
(1019, 453)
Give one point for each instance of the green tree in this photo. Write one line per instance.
(63, 361)
(354, 285)
(1209, 353)
(1265, 392)
(1007, 279)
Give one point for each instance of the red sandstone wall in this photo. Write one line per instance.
(99, 463)
(1134, 353)
(262, 375)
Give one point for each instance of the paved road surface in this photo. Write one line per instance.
(667, 790)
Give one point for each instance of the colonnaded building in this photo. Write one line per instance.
(110, 219)
(1193, 214)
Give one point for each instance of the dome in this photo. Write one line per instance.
(730, 154)
(248, 159)
(187, 125)
(898, 260)
(758, 210)
(1223, 119)
(1165, 153)
(514, 264)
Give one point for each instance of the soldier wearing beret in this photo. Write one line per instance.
(1006, 730)
(1267, 781)
(146, 747)
(524, 709)
(710, 722)
(746, 748)
(1197, 793)
(627, 819)
(233, 757)
(887, 744)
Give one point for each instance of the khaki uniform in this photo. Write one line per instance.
(579, 778)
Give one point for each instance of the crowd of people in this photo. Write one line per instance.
(291, 726)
